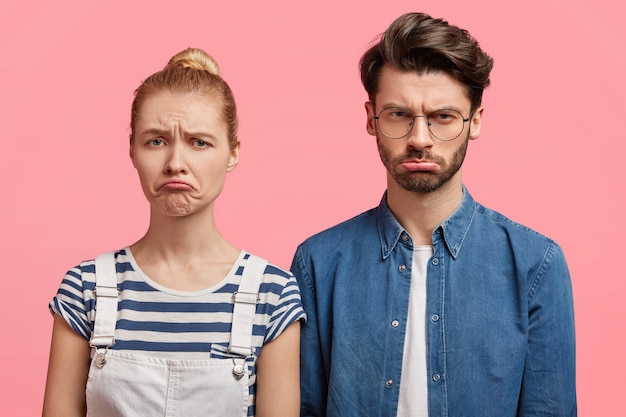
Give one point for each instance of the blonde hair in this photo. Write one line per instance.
(189, 71)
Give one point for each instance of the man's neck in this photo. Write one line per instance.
(420, 213)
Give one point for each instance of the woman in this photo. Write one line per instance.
(181, 322)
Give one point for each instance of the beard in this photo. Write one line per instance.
(422, 182)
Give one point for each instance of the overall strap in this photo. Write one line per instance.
(106, 293)
(246, 300)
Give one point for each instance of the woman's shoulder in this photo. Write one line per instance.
(85, 271)
(246, 259)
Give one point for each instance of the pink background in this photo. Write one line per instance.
(550, 156)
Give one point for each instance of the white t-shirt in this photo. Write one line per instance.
(414, 383)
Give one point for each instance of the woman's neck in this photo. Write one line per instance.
(184, 253)
(185, 237)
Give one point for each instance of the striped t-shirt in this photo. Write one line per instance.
(165, 323)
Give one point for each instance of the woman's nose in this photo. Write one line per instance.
(176, 161)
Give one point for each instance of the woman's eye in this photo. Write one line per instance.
(200, 143)
(156, 142)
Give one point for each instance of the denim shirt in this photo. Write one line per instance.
(499, 318)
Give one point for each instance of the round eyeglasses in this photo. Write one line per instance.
(397, 122)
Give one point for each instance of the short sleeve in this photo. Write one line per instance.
(288, 307)
(74, 300)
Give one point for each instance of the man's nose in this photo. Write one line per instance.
(419, 137)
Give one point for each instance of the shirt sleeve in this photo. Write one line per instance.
(549, 379)
(287, 311)
(74, 300)
(313, 379)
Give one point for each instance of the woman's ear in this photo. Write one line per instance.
(233, 159)
(131, 153)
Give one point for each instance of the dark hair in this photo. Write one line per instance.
(420, 43)
(191, 70)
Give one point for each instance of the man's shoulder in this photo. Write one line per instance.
(500, 220)
(488, 217)
(348, 229)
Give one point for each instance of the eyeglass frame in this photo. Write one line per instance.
(428, 123)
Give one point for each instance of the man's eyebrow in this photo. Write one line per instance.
(434, 108)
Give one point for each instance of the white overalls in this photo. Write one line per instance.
(127, 384)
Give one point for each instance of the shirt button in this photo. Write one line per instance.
(405, 237)
(395, 323)
(436, 377)
(401, 267)
(388, 382)
(434, 317)
(435, 261)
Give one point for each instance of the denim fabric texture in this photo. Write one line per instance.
(499, 318)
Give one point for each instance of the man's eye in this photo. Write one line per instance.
(396, 114)
(200, 143)
(156, 142)
(443, 117)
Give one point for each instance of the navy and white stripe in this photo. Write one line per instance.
(157, 321)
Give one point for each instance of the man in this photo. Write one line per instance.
(431, 304)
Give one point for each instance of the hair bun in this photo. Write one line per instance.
(195, 58)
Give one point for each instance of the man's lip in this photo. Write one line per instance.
(176, 185)
(419, 165)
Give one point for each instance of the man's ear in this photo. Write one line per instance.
(476, 123)
(371, 122)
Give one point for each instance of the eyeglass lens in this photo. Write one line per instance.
(396, 123)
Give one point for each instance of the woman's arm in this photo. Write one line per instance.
(68, 368)
(278, 376)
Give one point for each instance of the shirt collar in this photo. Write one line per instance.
(389, 229)
(453, 229)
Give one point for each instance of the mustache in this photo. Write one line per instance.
(419, 154)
